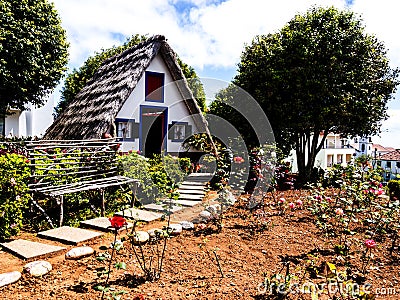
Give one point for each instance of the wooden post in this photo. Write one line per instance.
(35, 204)
(103, 204)
(134, 191)
(61, 209)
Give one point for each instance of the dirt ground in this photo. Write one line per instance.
(246, 250)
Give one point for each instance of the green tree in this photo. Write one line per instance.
(78, 78)
(33, 52)
(320, 73)
(195, 84)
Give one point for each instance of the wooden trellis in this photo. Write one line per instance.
(62, 167)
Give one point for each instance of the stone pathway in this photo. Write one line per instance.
(69, 235)
(27, 249)
(192, 192)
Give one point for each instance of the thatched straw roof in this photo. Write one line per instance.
(95, 107)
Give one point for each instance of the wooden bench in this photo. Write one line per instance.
(64, 167)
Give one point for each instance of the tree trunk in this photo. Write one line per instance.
(306, 152)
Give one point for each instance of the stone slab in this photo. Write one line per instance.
(102, 224)
(191, 191)
(200, 174)
(161, 207)
(197, 188)
(69, 235)
(195, 183)
(190, 197)
(189, 203)
(28, 249)
(139, 214)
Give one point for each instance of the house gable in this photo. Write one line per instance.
(179, 121)
(94, 109)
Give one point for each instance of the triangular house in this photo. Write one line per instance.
(140, 96)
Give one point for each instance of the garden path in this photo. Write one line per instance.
(192, 192)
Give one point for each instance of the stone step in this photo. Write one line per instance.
(69, 235)
(205, 177)
(192, 187)
(193, 183)
(200, 174)
(162, 207)
(28, 249)
(102, 224)
(191, 192)
(190, 197)
(187, 203)
(139, 214)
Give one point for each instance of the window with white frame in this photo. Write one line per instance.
(126, 129)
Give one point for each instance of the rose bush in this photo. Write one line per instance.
(14, 197)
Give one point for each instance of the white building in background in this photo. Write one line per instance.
(32, 122)
(363, 146)
(390, 163)
(337, 151)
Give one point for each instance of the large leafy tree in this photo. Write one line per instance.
(320, 73)
(78, 78)
(33, 52)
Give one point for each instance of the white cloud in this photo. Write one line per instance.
(211, 33)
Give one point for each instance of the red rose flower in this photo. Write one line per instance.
(370, 244)
(238, 159)
(117, 222)
(139, 297)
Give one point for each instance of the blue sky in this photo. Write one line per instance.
(210, 35)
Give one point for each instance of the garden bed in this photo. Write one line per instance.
(251, 247)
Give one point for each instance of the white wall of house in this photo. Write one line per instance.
(12, 124)
(42, 117)
(327, 158)
(32, 122)
(177, 110)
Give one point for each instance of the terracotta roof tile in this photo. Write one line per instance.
(393, 155)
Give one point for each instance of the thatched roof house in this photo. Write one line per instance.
(140, 91)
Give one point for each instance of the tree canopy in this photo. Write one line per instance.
(320, 73)
(33, 52)
(78, 78)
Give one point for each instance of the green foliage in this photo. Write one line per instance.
(194, 84)
(77, 79)
(165, 171)
(33, 52)
(14, 175)
(229, 104)
(357, 205)
(394, 189)
(156, 175)
(320, 73)
(203, 143)
(107, 257)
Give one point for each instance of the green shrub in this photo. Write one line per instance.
(394, 188)
(156, 175)
(14, 198)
